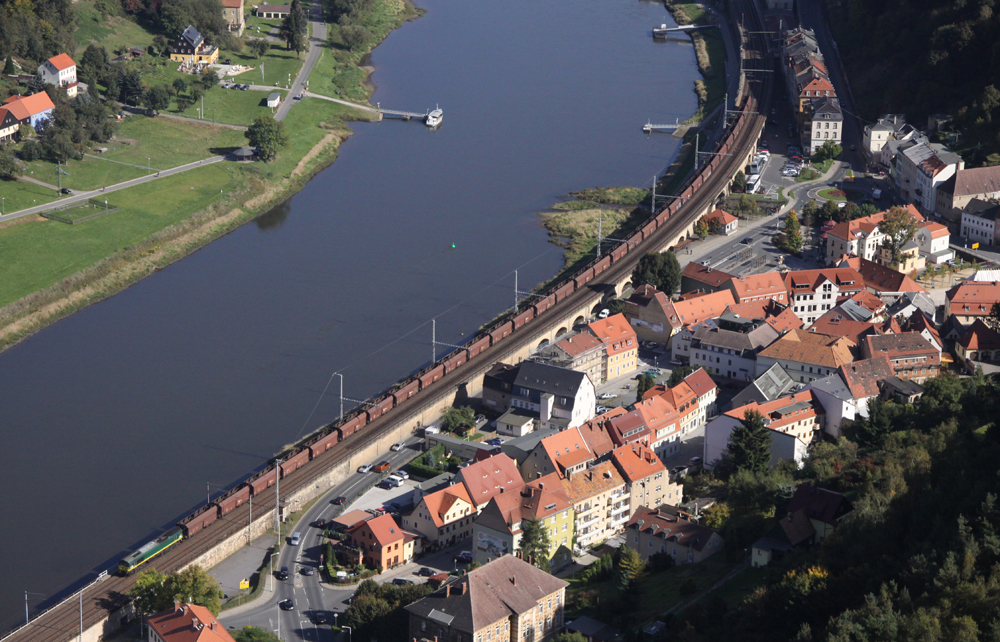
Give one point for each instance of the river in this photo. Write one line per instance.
(114, 420)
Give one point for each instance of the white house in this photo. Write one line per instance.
(273, 99)
(933, 240)
(979, 222)
(559, 397)
(795, 421)
(59, 71)
(918, 169)
(826, 122)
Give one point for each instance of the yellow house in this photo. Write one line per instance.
(445, 517)
(620, 344)
(190, 47)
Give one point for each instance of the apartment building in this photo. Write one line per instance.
(620, 344)
(806, 356)
(646, 478)
(600, 499)
(813, 292)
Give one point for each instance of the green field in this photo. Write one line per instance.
(162, 142)
(265, 25)
(230, 106)
(18, 195)
(38, 254)
(280, 66)
(112, 32)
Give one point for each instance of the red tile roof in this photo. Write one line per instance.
(777, 315)
(771, 410)
(899, 345)
(636, 462)
(628, 428)
(980, 336)
(383, 528)
(615, 333)
(881, 278)
(659, 524)
(579, 343)
(188, 623)
(485, 478)
(973, 298)
(566, 449)
(804, 346)
(809, 281)
(26, 106)
(700, 383)
(722, 216)
(936, 229)
(768, 284)
(62, 61)
(658, 414)
(704, 307)
(834, 322)
(705, 274)
(862, 377)
(439, 503)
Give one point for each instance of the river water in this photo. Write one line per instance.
(114, 420)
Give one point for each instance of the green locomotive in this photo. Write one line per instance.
(150, 550)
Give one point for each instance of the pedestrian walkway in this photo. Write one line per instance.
(242, 564)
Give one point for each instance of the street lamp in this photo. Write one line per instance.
(350, 633)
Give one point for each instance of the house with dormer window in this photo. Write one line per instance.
(190, 47)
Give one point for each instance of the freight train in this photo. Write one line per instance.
(332, 435)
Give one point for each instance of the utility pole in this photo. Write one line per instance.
(434, 344)
(277, 497)
(81, 616)
(600, 222)
(515, 291)
(59, 178)
(203, 108)
(652, 203)
(208, 493)
(697, 136)
(341, 396)
(250, 522)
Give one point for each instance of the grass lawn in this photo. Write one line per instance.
(38, 254)
(161, 142)
(111, 32)
(228, 106)
(807, 175)
(279, 64)
(18, 195)
(265, 25)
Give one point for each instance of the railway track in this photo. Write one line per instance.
(62, 622)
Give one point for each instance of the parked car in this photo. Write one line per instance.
(386, 484)
(463, 556)
(480, 420)
(402, 474)
(426, 572)
(66, 190)
(401, 581)
(495, 441)
(227, 61)
(601, 410)
(382, 466)
(287, 604)
(375, 511)
(396, 447)
(245, 87)
(365, 468)
(604, 314)
(607, 395)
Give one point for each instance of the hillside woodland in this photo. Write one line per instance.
(919, 558)
(923, 57)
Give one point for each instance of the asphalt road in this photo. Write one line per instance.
(315, 49)
(308, 595)
(82, 197)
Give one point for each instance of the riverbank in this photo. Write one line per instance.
(178, 222)
(574, 225)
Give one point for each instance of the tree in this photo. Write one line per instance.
(646, 382)
(180, 86)
(739, 181)
(196, 92)
(208, 78)
(259, 47)
(828, 151)
(899, 228)
(993, 320)
(453, 419)
(659, 269)
(8, 167)
(701, 227)
(93, 63)
(809, 212)
(628, 570)
(254, 634)
(831, 211)
(873, 429)
(294, 28)
(793, 237)
(154, 592)
(750, 443)
(715, 226)
(678, 375)
(535, 543)
(268, 135)
(160, 46)
(157, 98)
(182, 104)
(354, 36)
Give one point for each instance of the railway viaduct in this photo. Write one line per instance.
(98, 609)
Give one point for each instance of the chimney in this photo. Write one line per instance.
(212, 625)
(196, 624)
(465, 586)
(447, 590)
(513, 580)
(177, 605)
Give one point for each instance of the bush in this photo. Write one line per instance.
(30, 151)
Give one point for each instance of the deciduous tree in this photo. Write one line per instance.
(157, 98)
(455, 419)
(677, 376)
(268, 135)
(659, 269)
(701, 227)
(993, 320)
(646, 381)
(627, 571)
(739, 181)
(899, 228)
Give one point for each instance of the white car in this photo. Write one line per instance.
(601, 410)
(366, 468)
(396, 447)
(402, 474)
(606, 395)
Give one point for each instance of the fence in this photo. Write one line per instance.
(92, 209)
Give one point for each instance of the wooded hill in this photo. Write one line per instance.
(922, 57)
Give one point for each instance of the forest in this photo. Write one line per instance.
(923, 57)
(919, 557)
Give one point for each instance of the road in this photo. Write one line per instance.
(82, 197)
(308, 594)
(315, 49)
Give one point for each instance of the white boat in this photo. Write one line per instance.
(661, 32)
(434, 118)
